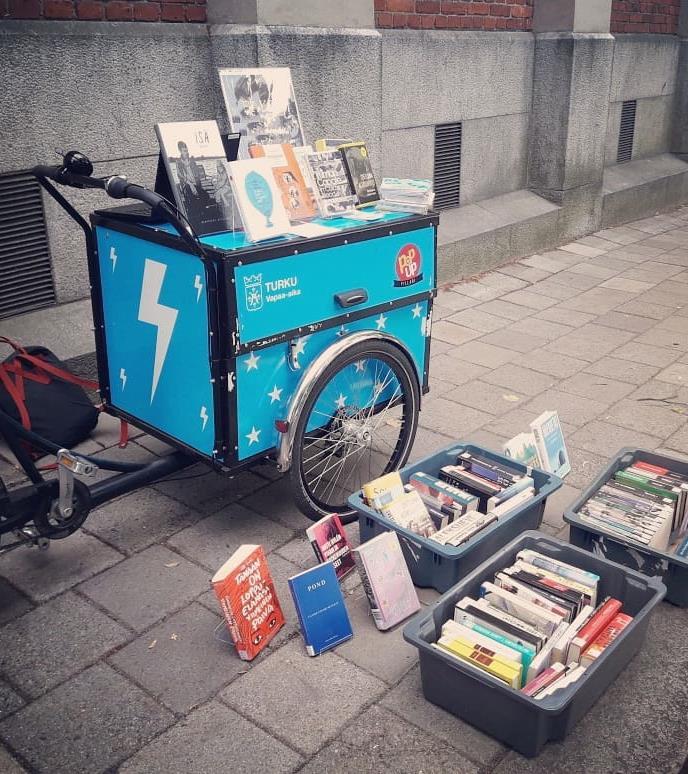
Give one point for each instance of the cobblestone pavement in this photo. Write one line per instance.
(111, 651)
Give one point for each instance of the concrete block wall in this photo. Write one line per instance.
(645, 69)
(431, 78)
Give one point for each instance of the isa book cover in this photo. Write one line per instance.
(320, 606)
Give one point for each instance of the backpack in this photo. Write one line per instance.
(37, 390)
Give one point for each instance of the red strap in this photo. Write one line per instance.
(59, 373)
(15, 345)
(123, 434)
(16, 396)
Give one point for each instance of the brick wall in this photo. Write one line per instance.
(640, 16)
(455, 14)
(105, 10)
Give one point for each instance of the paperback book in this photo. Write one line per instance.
(246, 593)
(331, 187)
(197, 169)
(331, 544)
(320, 607)
(549, 441)
(359, 170)
(296, 198)
(259, 199)
(386, 580)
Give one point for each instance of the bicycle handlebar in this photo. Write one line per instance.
(75, 171)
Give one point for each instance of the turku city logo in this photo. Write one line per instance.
(253, 288)
(408, 266)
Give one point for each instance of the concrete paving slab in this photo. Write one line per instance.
(677, 373)
(554, 363)
(554, 289)
(45, 574)
(478, 320)
(501, 281)
(623, 370)
(453, 334)
(275, 502)
(183, 661)
(598, 300)
(487, 397)
(483, 354)
(8, 764)
(210, 739)
(448, 299)
(447, 417)
(520, 343)
(585, 467)
(529, 299)
(427, 442)
(625, 322)
(573, 409)
(506, 309)
(536, 328)
(55, 641)
(521, 380)
(146, 587)
(212, 541)
(87, 725)
(661, 337)
(571, 279)
(140, 519)
(369, 642)
(10, 701)
(557, 503)
(283, 691)
(526, 272)
(651, 418)
(590, 342)
(599, 388)
(12, 602)
(591, 269)
(604, 438)
(477, 291)
(647, 354)
(407, 701)
(379, 741)
(577, 248)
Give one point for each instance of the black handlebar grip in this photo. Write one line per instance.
(49, 171)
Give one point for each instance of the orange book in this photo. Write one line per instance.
(244, 588)
(604, 640)
(603, 616)
(296, 198)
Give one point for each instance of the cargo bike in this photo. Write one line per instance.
(312, 353)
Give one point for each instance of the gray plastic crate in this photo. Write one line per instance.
(672, 569)
(437, 566)
(519, 721)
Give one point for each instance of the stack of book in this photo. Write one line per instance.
(406, 195)
(536, 627)
(644, 504)
(453, 507)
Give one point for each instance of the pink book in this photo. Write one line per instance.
(386, 580)
(544, 679)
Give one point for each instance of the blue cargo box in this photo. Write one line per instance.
(671, 569)
(485, 702)
(437, 566)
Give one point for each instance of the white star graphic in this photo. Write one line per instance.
(252, 362)
(426, 326)
(342, 330)
(276, 394)
(253, 436)
(341, 401)
(359, 365)
(300, 347)
(381, 322)
(417, 309)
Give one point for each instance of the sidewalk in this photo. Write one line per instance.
(110, 651)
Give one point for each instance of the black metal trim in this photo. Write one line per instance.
(428, 339)
(265, 252)
(335, 322)
(98, 317)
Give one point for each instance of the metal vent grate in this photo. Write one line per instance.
(627, 131)
(447, 165)
(26, 279)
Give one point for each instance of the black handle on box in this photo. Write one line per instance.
(351, 297)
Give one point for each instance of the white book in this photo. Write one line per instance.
(522, 448)
(543, 620)
(575, 672)
(562, 646)
(557, 566)
(587, 589)
(259, 199)
(503, 580)
(517, 501)
(546, 656)
(453, 629)
(549, 441)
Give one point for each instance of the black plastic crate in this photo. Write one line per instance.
(672, 569)
(520, 721)
(437, 566)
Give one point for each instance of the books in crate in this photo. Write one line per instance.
(536, 627)
(452, 508)
(642, 504)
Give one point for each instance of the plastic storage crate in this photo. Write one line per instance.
(519, 721)
(672, 569)
(437, 566)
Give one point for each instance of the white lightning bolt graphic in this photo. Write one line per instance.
(123, 377)
(199, 287)
(163, 317)
(113, 257)
(204, 416)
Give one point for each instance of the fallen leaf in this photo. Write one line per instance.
(171, 564)
(152, 645)
(511, 397)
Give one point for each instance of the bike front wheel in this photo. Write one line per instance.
(358, 423)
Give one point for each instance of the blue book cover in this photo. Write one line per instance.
(320, 606)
